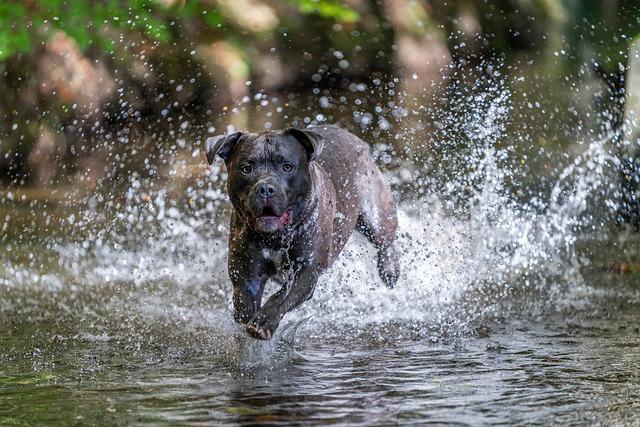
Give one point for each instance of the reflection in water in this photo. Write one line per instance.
(497, 317)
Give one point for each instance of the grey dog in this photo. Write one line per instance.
(297, 196)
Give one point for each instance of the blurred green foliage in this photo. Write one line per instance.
(81, 69)
(327, 9)
(24, 24)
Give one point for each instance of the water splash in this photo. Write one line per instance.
(471, 250)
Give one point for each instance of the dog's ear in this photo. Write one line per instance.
(221, 145)
(311, 141)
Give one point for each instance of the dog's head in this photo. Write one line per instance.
(269, 179)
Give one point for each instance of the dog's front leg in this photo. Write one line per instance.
(265, 321)
(248, 271)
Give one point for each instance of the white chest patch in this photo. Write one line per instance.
(274, 256)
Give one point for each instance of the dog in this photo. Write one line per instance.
(297, 196)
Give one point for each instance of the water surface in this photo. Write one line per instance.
(519, 301)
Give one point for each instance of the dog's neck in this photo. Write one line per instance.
(320, 185)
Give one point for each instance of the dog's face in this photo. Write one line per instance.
(269, 180)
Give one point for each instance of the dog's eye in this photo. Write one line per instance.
(287, 167)
(245, 169)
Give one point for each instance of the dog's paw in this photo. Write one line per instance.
(388, 266)
(262, 327)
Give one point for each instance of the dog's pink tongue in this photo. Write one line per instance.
(286, 217)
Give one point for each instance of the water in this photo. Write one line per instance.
(553, 372)
(511, 307)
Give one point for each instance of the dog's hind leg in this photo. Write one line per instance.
(379, 223)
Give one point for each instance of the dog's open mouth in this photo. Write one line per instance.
(269, 221)
(268, 211)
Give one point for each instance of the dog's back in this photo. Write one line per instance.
(363, 198)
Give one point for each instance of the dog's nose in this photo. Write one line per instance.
(266, 190)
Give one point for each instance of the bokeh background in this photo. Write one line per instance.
(87, 85)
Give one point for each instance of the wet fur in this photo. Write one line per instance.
(336, 189)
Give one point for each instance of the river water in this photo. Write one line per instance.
(519, 301)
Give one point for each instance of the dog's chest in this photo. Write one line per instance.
(275, 256)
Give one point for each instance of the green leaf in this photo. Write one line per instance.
(327, 9)
(213, 18)
(5, 44)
